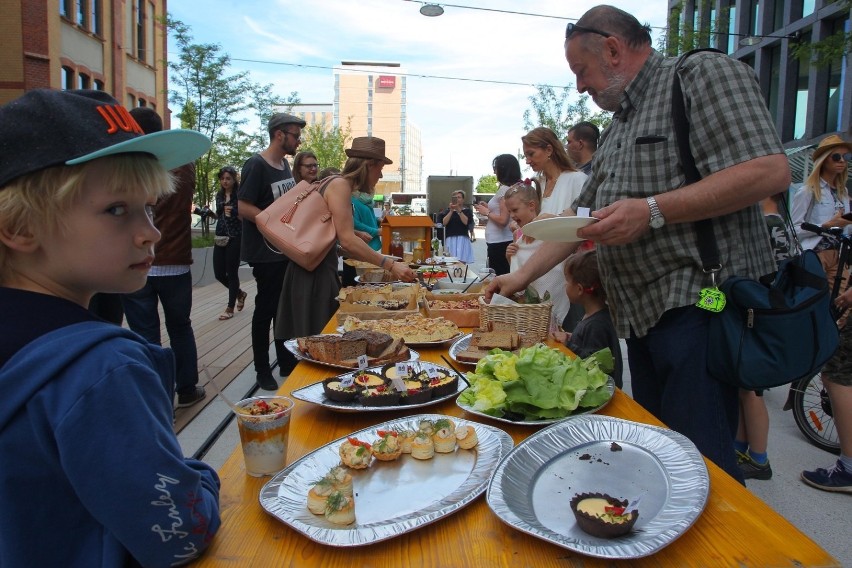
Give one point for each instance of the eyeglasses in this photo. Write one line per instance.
(296, 136)
(572, 28)
(845, 157)
(310, 166)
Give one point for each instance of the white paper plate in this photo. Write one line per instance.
(559, 229)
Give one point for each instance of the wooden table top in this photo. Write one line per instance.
(735, 529)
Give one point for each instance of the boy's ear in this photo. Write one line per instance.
(24, 242)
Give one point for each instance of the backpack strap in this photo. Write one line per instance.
(707, 247)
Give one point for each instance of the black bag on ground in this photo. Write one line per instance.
(771, 335)
(768, 334)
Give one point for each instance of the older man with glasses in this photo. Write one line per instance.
(646, 236)
(265, 177)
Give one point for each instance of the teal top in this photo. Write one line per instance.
(365, 220)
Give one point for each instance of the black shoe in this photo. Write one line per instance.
(194, 396)
(753, 470)
(267, 381)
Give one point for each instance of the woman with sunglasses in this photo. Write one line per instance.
(229, 228)
(823, 200)
(305, 167)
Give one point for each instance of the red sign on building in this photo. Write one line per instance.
(387, 81)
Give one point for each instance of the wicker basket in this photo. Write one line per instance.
(531, 320)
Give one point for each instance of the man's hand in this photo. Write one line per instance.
(622, 222)
(505, 285)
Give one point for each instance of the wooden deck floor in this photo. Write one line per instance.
(224, 347)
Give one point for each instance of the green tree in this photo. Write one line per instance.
(553, 110)
(327, 144)
(487, 184)
(216, 102)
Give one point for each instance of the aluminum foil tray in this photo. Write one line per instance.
(314, 394)
(293, 347)
(533, 486)
(391, 498)
(580, 411)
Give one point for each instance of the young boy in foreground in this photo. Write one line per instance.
(92, 473)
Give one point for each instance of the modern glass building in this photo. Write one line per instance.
(809, 98)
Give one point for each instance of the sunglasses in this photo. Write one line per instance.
(572, 28)
(293, 134)
(845, 157)
(310, 166)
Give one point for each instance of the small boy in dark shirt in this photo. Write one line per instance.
(596, 330)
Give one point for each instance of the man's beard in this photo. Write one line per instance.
(610, 97)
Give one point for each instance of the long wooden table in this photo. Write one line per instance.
(735, 529)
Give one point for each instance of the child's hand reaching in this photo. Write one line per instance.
(560, 336)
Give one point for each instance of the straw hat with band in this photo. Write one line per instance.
(368, 147)
(45, 128)
(829, 143)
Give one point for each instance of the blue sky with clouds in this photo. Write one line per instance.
(463, 124)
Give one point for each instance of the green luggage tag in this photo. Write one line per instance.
(711, 299)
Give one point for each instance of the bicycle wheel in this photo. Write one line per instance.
(812, 412)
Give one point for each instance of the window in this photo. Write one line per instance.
(143, 103)
(95, 17)
(732, 37)
(801, 100)
(754, 24)
(778, 21)
(774, 80)
(98, 85)
(82, 16)
(83, 81)
(67, 78)
(835, 88)
(65, 8)
(131, 101)
(808, 7)
(140, 29)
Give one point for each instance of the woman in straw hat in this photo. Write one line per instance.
(308, 298)
(823, 199)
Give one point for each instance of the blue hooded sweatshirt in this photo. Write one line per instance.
(91, 472)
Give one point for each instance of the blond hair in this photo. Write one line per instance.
(38, 201)
(838, 183)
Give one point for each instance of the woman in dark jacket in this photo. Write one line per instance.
(226, 257)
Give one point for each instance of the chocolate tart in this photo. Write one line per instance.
(369, 380)
(416, 395)
(444, 386)
(334, 391)
(602, 524)
(379, 396)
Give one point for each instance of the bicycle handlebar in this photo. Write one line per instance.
(831, 231)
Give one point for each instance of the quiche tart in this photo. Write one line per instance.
(411, 329)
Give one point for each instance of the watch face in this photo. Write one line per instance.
(657, 222)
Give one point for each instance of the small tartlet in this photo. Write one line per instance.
(602, 515)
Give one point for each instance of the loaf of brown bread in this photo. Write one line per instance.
(334, 348)
(377, 342)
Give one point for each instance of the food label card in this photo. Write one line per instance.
(362, 362)
(347, 381)
(432, 373)
(403, 369)
(398, 384)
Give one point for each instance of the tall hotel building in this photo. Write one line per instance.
(370, 99)
(117, 46)
(806, 100)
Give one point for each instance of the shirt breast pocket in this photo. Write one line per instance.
(651, 160)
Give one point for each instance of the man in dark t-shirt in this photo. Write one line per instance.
(265, 177)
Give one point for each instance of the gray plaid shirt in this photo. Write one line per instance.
(638, 157)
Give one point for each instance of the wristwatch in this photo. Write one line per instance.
(657, 220)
